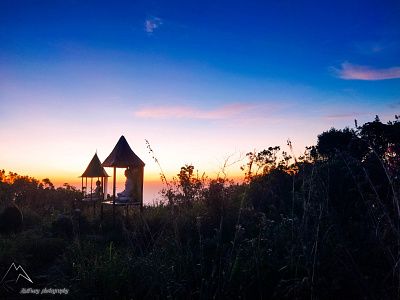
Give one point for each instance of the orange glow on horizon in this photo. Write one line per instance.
(72, 178)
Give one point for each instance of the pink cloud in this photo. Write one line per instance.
(350, 71)
(343, 116)
(187, 112)
(164, 112)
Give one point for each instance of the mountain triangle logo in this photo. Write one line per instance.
(14, 273)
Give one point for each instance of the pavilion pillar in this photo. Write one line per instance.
(141, 188)
(114, 187)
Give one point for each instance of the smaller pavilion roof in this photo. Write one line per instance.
(122, 156)
(94, 169)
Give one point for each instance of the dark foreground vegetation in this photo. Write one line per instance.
(321, 226)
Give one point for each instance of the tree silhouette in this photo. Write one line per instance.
(333, 141)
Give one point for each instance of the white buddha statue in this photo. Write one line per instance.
(127, 194)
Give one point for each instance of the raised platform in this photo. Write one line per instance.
(121, 203)
(94, 199)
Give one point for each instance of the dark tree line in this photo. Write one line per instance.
(25, 191)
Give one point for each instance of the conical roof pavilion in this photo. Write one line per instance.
(122, 156)
(94, 169)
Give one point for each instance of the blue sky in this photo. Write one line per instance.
(199, 79)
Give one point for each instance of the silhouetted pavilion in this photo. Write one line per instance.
(123, 157)
(94, 170)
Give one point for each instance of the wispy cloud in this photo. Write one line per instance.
(388, 45)
(344, 116)
(152, 23)
(369, 48)
(188, 112)
(351, 71)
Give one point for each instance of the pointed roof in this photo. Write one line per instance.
(94, 169)
(122, 156)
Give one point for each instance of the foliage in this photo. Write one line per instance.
(324, 225)
(29, 193)
(334, 141)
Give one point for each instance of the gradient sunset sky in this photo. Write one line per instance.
(200, 80)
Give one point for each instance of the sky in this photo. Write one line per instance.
(200, 80)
